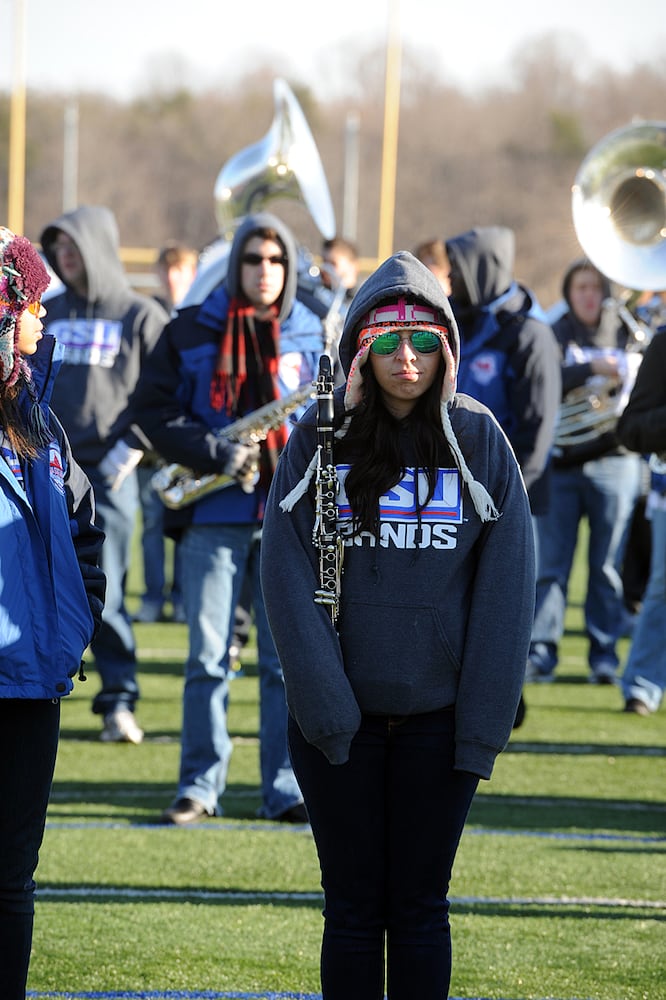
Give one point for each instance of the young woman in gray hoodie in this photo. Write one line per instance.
(400, 703)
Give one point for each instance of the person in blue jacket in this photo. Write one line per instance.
(248, 344)
(509, 357)
(51, 590)
(399, 706)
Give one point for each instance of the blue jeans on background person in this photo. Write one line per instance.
(114, 646)
(28, 745)
(152, 537)
(605, 491)
(386, 825)
(215, 559)
(153, 546)
(644, 676)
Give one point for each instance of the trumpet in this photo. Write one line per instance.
(179, 486)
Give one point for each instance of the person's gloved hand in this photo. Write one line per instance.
(243, 464)
(118, 462)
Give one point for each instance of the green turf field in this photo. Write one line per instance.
(559, 890)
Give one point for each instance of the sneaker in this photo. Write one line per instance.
(183, 811)
(148, 613)
(637, 706)
(534, 675)
(603, 673)
(120, 727)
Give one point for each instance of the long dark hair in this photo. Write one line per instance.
(22, 439)
(372, 447)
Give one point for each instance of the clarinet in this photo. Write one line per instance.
(325, 534)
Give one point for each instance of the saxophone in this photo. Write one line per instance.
(178, 486)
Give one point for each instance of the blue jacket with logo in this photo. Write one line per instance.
(51, 587)
(509, 357)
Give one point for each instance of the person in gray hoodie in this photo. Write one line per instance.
(107, 331)
(401, 701)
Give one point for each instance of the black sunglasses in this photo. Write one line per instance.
(255, 259)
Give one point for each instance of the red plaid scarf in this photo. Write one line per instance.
(245, 375)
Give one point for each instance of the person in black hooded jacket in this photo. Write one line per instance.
(399, 706)
(642, 428)
(509, 358)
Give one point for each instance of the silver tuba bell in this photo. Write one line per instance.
(284, 164)
(619, 214)
(619, 205)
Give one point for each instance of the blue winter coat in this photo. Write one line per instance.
(509, 358)
(51, 588)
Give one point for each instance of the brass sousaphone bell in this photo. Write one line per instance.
(284, 164)
(619, 214)
(619, 205)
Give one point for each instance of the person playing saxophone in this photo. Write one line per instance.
(251, 341)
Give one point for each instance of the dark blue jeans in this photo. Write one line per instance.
(387, 826)
(28, 743)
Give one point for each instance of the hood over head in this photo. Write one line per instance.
(484, 260)
(94, 230)
(251, 226)
(402, 291)
(23, 280)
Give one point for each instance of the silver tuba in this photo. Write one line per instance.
(284, 164)
(619, 214)
(619, 205)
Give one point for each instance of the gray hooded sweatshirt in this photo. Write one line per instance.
(428, 619)
(106, 336)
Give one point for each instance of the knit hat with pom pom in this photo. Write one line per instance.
(23, 280)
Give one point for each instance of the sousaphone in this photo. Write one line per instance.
(284, 164)
(619, 205)
(619, 214)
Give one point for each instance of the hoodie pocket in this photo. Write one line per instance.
(398, 657)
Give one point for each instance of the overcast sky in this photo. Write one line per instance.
(122, 48)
